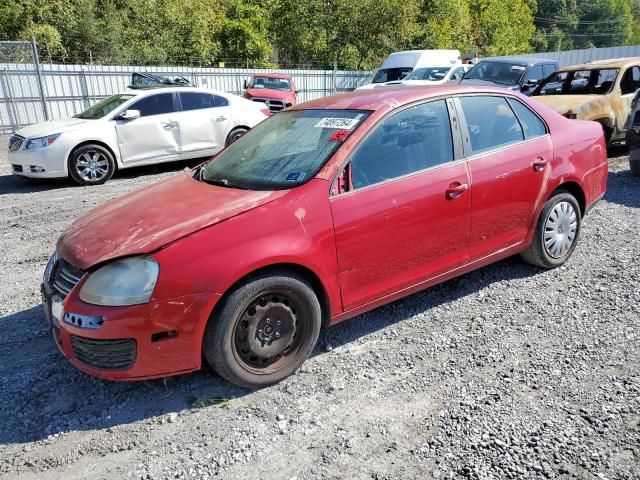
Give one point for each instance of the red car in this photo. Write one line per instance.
(275, 90)
(318, 214)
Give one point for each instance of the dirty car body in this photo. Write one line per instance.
(600, 91)
(364, 197)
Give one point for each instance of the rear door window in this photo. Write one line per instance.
(411, 140)
(491, 123)
(630, 81)
(530, 122)
(196, 100)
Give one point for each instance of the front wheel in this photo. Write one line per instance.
(91, 165)
(556, 233)
(266, 329)
(235, 134)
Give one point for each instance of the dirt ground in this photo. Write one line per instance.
(507, 372)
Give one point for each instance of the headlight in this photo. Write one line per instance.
(129, 281)
(49, 268)
(41, 142)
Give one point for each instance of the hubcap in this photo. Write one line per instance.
(92, 166)
(268, 331)
(560, 229)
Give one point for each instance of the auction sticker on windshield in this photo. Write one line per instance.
(341, 123)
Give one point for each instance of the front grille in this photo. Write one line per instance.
(105, 354)
(15, 142)
(64, 277)
(17, 168)
(274, 105)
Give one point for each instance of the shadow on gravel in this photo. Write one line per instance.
(623, 188)
(42, 394)
(12, 184)
(346, 332)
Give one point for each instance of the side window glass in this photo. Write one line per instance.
(630, 81)
(548, 69)
(195, 100)
(531, 124)
(457, 73)
(220, 101)
(411, 140)
(154, 104)
(491, 123)
(534, 73)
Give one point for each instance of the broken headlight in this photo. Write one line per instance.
(128, 281)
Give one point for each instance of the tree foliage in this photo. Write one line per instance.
(351, 33)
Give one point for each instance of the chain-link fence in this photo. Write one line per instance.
(31, 92)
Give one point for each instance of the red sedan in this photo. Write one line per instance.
(320, 213)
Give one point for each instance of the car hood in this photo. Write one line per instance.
(150, 218)
(269, 93)
(486, 83)
(53, 126)
(578, 104)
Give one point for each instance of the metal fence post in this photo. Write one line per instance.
(334, 78)
(36, 61)
(84, 88)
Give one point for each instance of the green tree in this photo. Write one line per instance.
(603, 23)
(502, 28)
(445, 24)
(244, 33)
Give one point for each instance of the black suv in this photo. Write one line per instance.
(515, 73)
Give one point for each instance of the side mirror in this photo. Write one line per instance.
(129, 115)
(245, 84)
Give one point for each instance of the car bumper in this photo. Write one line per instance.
(47, 162)
(139, 342)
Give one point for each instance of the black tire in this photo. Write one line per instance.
(266, 328)
(92, 174)
(235, 134)
(634, 161)
(539, 253)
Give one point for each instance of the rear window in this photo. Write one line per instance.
(284, 151)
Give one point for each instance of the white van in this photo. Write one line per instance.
(400, 64)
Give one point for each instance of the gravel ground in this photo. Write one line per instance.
(507, 372)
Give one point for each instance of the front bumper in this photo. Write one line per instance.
(46, 162)
(153, 340)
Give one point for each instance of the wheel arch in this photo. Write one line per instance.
(295, 268)
(235, 127)
(574, 189)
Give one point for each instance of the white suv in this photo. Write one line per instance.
(133, 128)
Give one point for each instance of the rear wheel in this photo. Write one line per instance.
(265, 330)
(91, 165)
(235, 134)
(556, 233)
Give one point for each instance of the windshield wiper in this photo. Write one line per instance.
(222, 182)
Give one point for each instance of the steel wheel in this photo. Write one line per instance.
(92, 166)
(560, 229)
(269, 330)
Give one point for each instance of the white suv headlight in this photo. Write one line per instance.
(40, 142)
(129, 281)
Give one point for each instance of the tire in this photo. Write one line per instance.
(266, 328)
(634, 161)
(91, 165)
(554, 241)
(235, 134)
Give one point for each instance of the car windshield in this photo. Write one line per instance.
(503, 73)
(428, 73)
(283, 151)
(104, 107)
(391, 74)
(579, 82)
(272, 83)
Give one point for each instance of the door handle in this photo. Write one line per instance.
(455, 190)
(221, 118)
(169, 125)
(539, 164)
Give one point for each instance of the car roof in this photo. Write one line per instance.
(272, 75)
(387, 98)
(139, 92)
(609, 63)
(523, 60)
